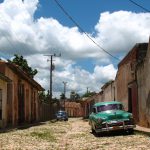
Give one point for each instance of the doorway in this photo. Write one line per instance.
(21, 113)
(133, 100)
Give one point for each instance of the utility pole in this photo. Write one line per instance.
(64, 92)
(51, 70)
(51, 81)
(87, 90)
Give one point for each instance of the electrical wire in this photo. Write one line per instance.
(145, 9)
(69, 16)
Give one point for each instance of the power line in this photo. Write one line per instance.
(145, 9)
(69, 16)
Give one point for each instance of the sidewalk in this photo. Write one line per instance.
(142, 129)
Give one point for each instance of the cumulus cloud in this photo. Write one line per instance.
(116, 32)
(122, 29)
(79, 79)
(104, 73)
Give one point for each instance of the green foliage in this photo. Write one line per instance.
(89, 94)
(23, 64)
(45, 97)
(74, 96)
(62, 96)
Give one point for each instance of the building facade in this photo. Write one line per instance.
(108, 93)
(22, 101)
(73, 109)
(143, 82)
(126, 79)
(3, 97)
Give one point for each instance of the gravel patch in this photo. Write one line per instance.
(74, 134)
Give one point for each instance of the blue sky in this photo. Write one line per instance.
(38, 27)
(86, 12)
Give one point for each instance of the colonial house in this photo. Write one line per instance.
(73, 109)
(108, 91)
(19, 98)
(3, 96)
(127, 81)
(88, 102)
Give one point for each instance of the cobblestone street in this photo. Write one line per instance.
(72, 135)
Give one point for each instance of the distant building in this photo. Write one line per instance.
(108, 93)
(88, 102)
(73, 109)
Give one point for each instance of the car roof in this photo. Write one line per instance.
(106, 103)
(61, 111)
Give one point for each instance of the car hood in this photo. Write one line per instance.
(113, 115)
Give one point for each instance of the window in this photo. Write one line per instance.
(0, 104)
(110, 107)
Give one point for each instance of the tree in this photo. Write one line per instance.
(74, 96)
(88, 94)
(23, 64)
(62, 96)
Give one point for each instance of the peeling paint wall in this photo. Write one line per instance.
(73, 109)
(3, 87)
(125, 75)
(109, 92)
(143, 80)
(23, 108)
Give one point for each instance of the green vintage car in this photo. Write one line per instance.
(110, 116)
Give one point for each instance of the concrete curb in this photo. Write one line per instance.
(142, 129)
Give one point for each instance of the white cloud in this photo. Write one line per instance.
(117, 32)
(120, 30)
(104, 73)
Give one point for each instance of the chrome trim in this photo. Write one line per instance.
(117, 127)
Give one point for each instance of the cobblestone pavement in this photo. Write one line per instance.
(74, 134)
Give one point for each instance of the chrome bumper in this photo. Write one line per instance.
(114, 128)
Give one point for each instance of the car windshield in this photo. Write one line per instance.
(61, 113)
(110, 107)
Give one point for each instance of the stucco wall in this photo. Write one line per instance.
(143, 80)
(98, 97)
(109, 92)
(28, 98)
(3, 87)
(123, 78)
